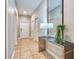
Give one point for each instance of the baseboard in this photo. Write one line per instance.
(25, 38)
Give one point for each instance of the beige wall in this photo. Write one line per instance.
(69, 19)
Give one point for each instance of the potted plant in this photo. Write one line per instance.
(59, 34)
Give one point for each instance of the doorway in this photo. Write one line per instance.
(24, 26)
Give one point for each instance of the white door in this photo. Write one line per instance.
(24, 27)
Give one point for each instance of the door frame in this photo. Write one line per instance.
(18, 25)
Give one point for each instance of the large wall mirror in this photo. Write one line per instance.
(54, 15)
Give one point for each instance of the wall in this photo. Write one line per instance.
(10, 29)
(69, 19)
(39, 16)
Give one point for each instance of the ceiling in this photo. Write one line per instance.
(27, 6)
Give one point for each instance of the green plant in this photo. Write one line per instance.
(59, 34)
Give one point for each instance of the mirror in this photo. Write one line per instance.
(54, 15)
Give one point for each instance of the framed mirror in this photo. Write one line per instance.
(54, 12)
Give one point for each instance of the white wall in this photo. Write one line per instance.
(10, 29)
(40, 15)
(69, 19)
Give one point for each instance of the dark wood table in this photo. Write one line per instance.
(68, 47)
(68, 50)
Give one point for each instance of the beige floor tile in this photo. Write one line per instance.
(28, 49)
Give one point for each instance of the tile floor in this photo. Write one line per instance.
(28, 49)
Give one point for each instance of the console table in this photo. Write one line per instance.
(64, 51)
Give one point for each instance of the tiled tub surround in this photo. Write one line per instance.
(64, 51)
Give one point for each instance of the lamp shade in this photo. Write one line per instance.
(46, 25)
